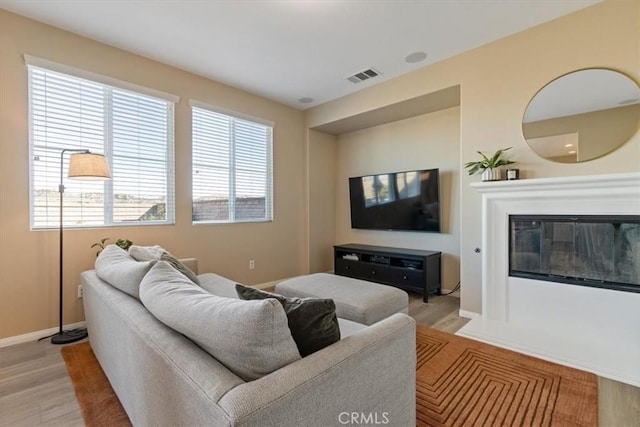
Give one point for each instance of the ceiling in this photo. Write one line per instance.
(288, 50)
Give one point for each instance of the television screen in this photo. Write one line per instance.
(406, 201)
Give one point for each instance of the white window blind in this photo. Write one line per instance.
(133, 130)
(232, 179)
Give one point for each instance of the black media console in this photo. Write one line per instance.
(407, 269)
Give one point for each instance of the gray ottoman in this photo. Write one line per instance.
(356, 300)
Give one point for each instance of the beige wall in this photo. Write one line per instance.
(425, 142)
(322, 205)
(29, 259)
(497, 81)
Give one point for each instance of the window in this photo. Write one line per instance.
(133, 130)
(232, 179)
(378, 190)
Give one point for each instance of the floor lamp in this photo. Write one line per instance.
(83, 165)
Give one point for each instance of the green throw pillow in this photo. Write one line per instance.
(313, 322)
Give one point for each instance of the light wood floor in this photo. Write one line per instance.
(35, 389)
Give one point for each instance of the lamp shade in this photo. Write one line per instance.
(88, 167)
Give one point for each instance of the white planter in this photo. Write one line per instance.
(492, 174)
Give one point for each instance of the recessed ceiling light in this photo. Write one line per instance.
(305, 100)
(568, 145)
(414, 57)
(572, 152)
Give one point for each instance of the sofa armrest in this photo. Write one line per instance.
(191, 264)
(371, 374)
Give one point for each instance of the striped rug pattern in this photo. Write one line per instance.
(462, 382)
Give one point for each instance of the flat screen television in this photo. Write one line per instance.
(403, 201)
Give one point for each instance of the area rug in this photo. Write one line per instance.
(98, 402)
(462, 382)
(459, 382)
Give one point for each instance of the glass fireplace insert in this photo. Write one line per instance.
(588, 250)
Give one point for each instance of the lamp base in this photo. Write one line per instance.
(67, 337)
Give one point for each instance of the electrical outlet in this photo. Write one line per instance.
(252, 264)
(80, 293)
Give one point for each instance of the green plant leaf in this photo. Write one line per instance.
(484, 156)
(124, 243)
(488, 162)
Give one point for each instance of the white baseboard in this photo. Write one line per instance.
(33, 336)
(469, 314)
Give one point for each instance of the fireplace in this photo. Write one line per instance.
(587, 250)
(576, 230)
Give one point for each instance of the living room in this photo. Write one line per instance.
(315, 151)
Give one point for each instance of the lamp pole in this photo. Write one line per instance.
(63, 337)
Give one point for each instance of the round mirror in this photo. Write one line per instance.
(582, 115)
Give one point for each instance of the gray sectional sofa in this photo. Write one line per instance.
(163, 378)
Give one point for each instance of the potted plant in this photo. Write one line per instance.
(489, 166)
(123, 243)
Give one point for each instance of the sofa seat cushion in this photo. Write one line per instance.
(218, 285)
(348, 327)
(116, 267)
(251, 338)
(357, 300)
(312, 321)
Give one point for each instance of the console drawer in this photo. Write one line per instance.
(345, 267)
(406, 278)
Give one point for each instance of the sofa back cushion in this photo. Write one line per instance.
(146, 253)
(251, 338)
(156, 252)
(178, 265)
(116, 267)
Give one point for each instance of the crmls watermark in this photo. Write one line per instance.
(362, 418)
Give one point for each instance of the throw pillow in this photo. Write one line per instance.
(313, 322)
(117, 268)
(250, 338)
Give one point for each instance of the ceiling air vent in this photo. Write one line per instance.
(367, 74)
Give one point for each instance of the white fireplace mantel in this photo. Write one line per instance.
(588, 328)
